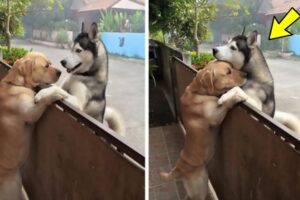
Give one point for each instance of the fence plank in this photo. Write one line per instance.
(165, 55)
(251, 162)
(68, 161)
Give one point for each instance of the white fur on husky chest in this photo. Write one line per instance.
(78, 89)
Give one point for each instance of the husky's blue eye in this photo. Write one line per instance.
(78, 50)
(233, 48)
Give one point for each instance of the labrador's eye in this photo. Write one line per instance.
(78, 50)
(229, 71)
(47, 66)
(233, 48)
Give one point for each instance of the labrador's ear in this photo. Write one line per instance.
(205, 80)
(252, 39)
(13, 75)
(93, 32)
(25, 70)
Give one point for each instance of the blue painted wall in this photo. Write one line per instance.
(294, 44)
(125, 44)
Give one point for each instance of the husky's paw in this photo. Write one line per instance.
(236, 94)
(51, 94)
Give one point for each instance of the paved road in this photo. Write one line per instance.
(125, 91)
(286, 74)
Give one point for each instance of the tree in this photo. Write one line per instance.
(182, 19)
(233, 15)
(10, 20)
(57, 19)
(13, 11)
(199, 13)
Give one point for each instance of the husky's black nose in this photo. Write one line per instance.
(215, 51)
(63, 62)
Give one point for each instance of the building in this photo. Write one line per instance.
(277, 8)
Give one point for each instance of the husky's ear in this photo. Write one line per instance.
(93, 32)
(244, 29)
(82, 27)
(252, 39)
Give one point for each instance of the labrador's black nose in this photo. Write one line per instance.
(58, 73)
(63, 62)
(215, 51)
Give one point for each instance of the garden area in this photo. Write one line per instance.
(9, 57)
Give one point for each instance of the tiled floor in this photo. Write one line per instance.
(165, 145)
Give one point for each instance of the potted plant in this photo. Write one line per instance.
(199, 62)
(11, 57)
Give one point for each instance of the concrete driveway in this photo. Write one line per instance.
(125, 91)
(286, 74)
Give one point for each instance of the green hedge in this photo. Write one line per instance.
(114, 21)
(198, 62)
(15, 54)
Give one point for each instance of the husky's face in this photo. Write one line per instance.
(83, 52)
(237, 51)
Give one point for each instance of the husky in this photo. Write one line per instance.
(245, 55)
(87, 66)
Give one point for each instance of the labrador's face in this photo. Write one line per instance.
(36, 70)
(218, 77)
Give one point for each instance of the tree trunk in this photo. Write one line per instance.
(196, 39)
(7, 25)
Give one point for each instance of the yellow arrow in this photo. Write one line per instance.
(278, 30)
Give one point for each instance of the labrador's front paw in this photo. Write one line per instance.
(58, 95)
(236, 94)
(41, 96)
(51, 94)
(240, 95)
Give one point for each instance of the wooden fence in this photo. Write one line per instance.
(73, 156)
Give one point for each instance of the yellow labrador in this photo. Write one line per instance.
(20, 107)
(202, 113)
